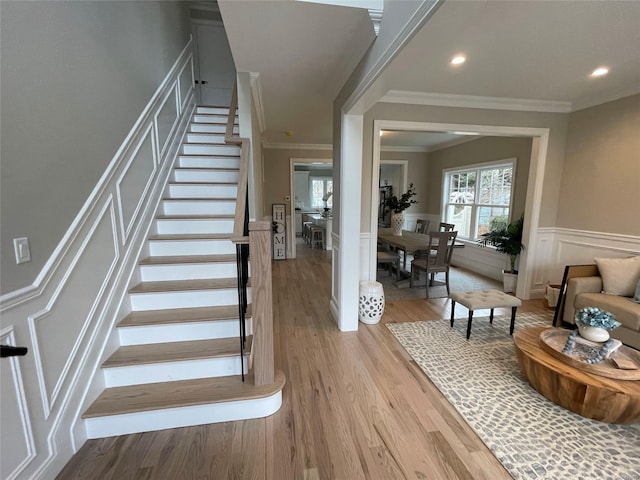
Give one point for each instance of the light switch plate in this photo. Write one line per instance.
(21, 247)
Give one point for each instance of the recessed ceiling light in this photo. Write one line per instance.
(600, 71)
(458, 60)
(464, 133)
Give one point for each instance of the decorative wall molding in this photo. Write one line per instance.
(19, 463)
(470, 101)
(107, 218)
(67, 316)
(126, 224)
(16, 297)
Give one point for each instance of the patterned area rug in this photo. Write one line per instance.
(532, 437)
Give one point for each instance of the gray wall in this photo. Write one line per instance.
(479, 151)
(277, 173)
(75, 76)
(600, 188)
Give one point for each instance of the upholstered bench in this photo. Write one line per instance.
(484, 299)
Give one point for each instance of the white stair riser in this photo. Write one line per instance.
(215, 119)
(213, 176)
(167, 248)
(181, 332)
(203, 191)
(194, 149)
(205, 138)
(198, 207)
(211, 128)
(185, 299)
(166, 227)
(151, 421)
(187, 271)
(212, 110)
(209, 162)
(173, 371)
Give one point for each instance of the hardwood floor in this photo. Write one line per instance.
(355, 406)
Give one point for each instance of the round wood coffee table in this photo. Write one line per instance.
(592, 396)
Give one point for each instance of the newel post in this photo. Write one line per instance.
(261, 302)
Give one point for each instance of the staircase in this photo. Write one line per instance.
(179, 361)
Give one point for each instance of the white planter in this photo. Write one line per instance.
(595, 334)
(509, 282)
(397, 223)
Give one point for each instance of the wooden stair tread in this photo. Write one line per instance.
(182, 285)
(213, 169)
(182, 315)
(169, 260)
(191, 216)
(203, 183)
(207, 155)
(197, 199)
(175, 352)
(184, 393)
(191, 236)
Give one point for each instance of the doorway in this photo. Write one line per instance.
(302, 173)
(540, 140)
(214, 70)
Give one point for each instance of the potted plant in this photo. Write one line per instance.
(398, 206)
(507, 239)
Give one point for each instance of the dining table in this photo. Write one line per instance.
(407, 243)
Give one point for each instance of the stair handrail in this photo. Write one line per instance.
(254, 237)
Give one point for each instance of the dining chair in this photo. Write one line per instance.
(441, 246)
(422, 226)
(390, 258)
(446, 227)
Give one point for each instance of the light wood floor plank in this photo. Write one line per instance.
(355, 406)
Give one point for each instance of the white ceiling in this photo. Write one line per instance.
(304, 53)
(538, 52)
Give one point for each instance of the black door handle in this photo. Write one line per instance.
(11, 351)
(203, 82)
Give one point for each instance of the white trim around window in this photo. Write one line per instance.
(468, 218)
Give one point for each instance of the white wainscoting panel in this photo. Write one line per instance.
(367, 253)
(166, 118)
(136, 179)
(58, 331)
(15, 423)
(558, 247)
(67, 316)
(335, 277)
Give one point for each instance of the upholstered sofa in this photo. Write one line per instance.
(612, 285)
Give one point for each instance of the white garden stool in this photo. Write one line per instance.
(485, 299)
(371, 302)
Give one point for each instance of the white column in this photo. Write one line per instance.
(350, 200)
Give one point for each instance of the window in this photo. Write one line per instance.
(476, 196)
(320, 186)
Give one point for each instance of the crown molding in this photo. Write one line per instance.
(404, 149)
(376, 18)
(470, 101)
(297, 146)
(256, 96)
(604, 98)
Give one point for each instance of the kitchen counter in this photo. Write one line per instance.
(326, 223)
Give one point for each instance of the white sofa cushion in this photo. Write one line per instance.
(620, 276)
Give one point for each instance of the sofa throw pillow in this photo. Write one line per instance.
(620, 276)
(636, 297)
